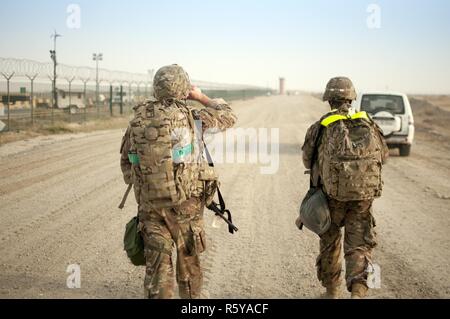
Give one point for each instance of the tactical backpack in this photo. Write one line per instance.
(350, 157)
(162, 154)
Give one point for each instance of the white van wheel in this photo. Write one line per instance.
(405, 150)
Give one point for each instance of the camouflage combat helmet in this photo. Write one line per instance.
(339, 88)
(171, 82)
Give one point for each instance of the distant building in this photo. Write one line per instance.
(75, 99)
(16, 101)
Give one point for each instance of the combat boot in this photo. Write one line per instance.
(359, 291)
(333, 292)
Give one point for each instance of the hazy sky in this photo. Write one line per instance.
(246, 41)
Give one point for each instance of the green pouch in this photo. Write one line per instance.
(133, 243)
(133, 158)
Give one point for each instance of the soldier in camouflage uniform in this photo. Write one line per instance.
(354, 215)
(179, 226)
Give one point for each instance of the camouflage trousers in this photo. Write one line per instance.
(359, 240)
(181, 228)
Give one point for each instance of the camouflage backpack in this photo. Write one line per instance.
(350, 157)
(162, 154)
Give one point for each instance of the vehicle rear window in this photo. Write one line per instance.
(374, 103)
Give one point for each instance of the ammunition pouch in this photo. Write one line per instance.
(195, 240)
(209, 178)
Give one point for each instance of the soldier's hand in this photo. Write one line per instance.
(195, 94)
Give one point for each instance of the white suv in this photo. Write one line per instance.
(392, 112)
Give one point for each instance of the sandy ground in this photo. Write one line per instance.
(59, 197)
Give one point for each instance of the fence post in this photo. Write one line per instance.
(129, 96)
(31, 78)
(85, 97)
(31, 102)
(97, 99)
(138, 91)
(53, 103)
(70, 97)
(8, 101)
(111, 100)
(121, 100)
(8, 77)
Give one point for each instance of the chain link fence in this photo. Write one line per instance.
(27, 99)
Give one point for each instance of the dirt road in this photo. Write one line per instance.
(59, 198)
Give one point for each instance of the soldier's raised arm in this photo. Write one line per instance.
(216, 114)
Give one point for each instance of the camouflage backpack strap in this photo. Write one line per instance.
(338, 117)
(193, 123)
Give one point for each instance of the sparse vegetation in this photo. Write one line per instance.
(63, 128)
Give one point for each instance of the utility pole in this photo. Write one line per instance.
(97, 57)
(55, 63)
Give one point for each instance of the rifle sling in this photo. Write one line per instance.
(219, 209)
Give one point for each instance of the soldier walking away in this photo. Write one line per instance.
(347, 167)
(163, 158)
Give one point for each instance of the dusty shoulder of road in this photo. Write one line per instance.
(432, 118)
(61, 128)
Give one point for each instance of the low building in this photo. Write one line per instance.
(74, 99)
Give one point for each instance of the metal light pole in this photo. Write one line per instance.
(97, 57)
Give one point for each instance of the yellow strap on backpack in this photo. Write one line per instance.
(337, 117)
